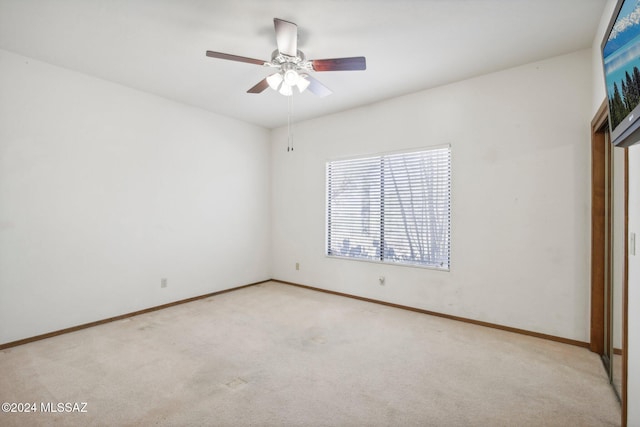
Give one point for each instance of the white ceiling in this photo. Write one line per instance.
(158, 46)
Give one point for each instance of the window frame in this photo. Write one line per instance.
(382, 154)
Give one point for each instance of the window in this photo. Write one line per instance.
(392, 208)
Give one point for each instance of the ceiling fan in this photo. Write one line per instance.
(292, 65)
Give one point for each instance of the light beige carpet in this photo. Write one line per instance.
(278, 355)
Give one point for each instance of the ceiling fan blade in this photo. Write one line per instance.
(317, 88)
(286, 37)
(237, 58)
(340, 64)
(260, 87)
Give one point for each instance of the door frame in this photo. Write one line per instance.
(600, 256)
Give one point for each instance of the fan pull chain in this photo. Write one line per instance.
(289, 134)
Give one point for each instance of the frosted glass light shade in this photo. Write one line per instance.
(285, 89)
(274, 80)
(291, 77)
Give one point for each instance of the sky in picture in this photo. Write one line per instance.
(622, 51)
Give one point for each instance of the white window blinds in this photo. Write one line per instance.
(392, 208)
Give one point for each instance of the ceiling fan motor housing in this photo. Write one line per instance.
(285, 62)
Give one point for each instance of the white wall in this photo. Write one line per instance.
(520, 196)
(105, 190)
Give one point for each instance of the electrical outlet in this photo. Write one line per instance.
(632, 244)
(163, 283)
(297, 266)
